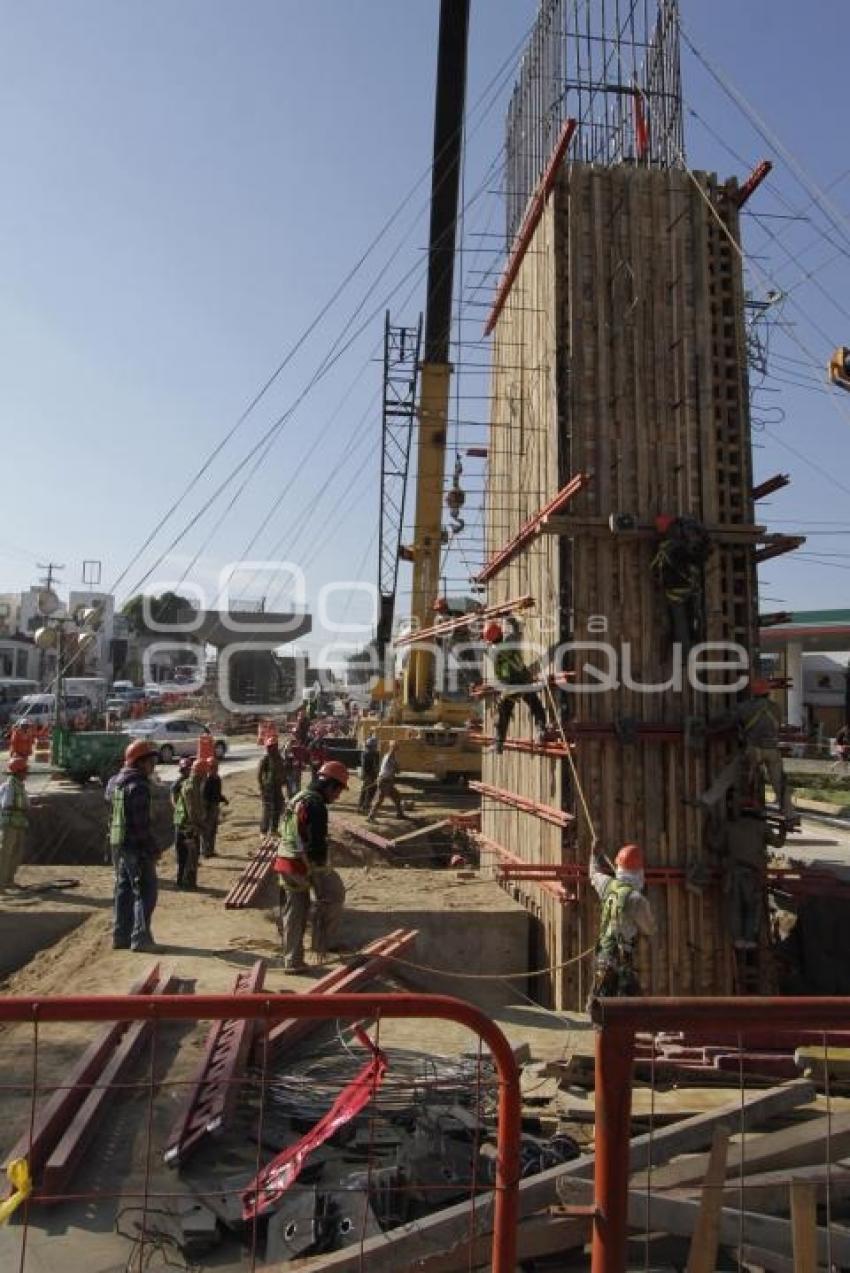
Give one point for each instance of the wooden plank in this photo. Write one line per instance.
(451, 1228)
(702, 1255)
(679, 1216)
(795, 1146)
(804, 1223)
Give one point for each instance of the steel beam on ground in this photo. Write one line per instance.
(211, 1099)
(349, 976)
(52, 1118)
(243, 893)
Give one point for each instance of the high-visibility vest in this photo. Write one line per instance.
(509, 667)
(612, 944)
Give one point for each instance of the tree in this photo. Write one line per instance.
(167, 608)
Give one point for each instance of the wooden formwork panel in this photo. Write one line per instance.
(621, 351)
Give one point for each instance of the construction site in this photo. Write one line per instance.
(518, 938)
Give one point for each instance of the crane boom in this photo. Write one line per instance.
(436, 369)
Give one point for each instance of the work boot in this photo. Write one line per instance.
(145, 947)
(295, 969)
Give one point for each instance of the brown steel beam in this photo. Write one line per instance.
(776, 545)
(546, 812)
(770, 485)
(533, 527)
(746, 191)
(244, 891)
(210, 1101)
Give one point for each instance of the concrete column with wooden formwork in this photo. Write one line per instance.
(619, 352)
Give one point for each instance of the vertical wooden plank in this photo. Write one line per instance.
(804, 1226)
(702, 1256)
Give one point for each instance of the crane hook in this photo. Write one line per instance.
(456, 498)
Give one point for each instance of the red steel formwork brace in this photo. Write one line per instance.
(546, 812)
(530, 223)
(349, 976)
(364, 835)
(507, 858)
(466, 620)
(528, 745)
(759, 174)
(771, 484)
(776, 545)
(210, 1101)
(533, 527)
(619, 1021)
(244, 891)
(267, 1009)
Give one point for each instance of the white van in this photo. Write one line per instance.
(12, 690)
(40, 709)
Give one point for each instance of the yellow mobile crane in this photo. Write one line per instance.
(431, 731)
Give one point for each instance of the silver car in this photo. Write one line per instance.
(174, 736)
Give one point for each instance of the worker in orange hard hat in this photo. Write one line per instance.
(302, 866)
(271, 779)
(134, 849)
(212, 798)
(758, 719)
(14, 819)
(681, 552)
(626, 914)
(189, 824)
(513, 680)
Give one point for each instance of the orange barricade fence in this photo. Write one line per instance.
(722, 1135)
(135, 1137)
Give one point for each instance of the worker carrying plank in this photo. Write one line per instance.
(14, 819)
(134, 849)
(626, 914)
(510, 674)
(680, 556)
(744, 855)
(302, 865)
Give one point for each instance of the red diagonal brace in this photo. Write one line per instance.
(759, 174)
(467, 620)
(486, 845)
(771, 484)
(546, 812)
(530, 223)
(776, 545)
(533, 526)
(211, 1099)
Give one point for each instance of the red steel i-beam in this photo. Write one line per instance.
(615, 1052)
(546, 812)
(530, 223)
(770, 485)
(759, 174)
(348, 1007)
(532, 527)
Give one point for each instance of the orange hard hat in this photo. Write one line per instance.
(663, 522)
(17, 765)
(336, 771)
(492, 631)
(139, 750)
(759, 686)
(630, 858)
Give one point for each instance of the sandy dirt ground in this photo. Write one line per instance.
(206, 946)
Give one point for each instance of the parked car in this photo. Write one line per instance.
(174, 736)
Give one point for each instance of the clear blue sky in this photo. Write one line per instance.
(186, 184)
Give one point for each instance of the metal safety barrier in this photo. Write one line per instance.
(141, 1097)
(686, 1177)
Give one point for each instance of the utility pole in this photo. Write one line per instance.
(51, 567)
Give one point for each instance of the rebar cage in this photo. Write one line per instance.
(614, 66)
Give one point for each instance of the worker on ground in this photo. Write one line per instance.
(758, 720)
(184, 770)
(271, 778)
(302, 727)
(14, 819)
(387, 774)
(134, 850)
(626, 914)
(369, 765)
(212, 798)
(747, 839)
(291, 770)
(189, 825)
(510, 671)
(302, 865)
(680, 556)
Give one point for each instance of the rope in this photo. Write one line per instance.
(576, 780)
(488, 976)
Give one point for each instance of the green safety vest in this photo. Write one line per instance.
(612, 945)
(509, 667)
(118, 823)
(291, 844)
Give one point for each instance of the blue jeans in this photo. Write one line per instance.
(135, 898)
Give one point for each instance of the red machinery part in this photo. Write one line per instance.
(349, 1007)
